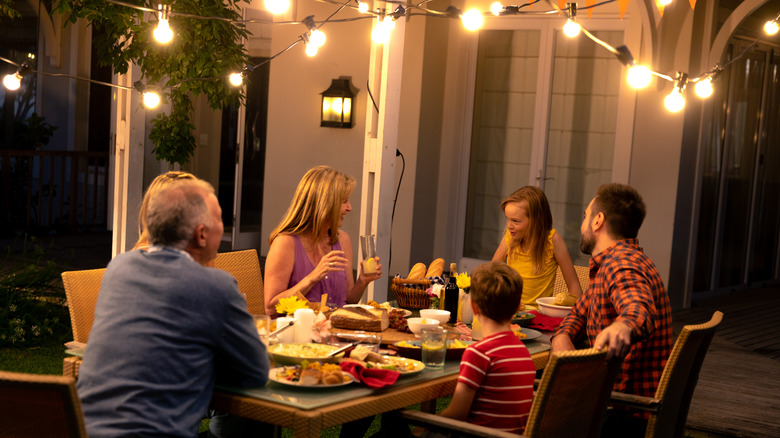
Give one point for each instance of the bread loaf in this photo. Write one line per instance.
(436, 268)
(358, 318)
(417, 272)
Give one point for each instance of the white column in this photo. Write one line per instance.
(378, 188)
(130, 133)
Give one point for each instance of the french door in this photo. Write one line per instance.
(548, 111)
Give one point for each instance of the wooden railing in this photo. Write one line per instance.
(50, 189)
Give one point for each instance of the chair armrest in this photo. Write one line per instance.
(461, 428)
(635, 401)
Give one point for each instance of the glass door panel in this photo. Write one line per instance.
(501, 142)
(581, 130)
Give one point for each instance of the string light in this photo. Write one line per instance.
(150, 98)
(675, 101)
(472, 19)
(639, 76)
(703, 88)
(665, 2)
(571, 29)
(381, 32)
(13, 81)
(496, 8)
(236, 79)
(277, 7)
(362, 7)
(163, 33)
(771, 27)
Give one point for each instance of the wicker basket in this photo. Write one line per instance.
(411, 297)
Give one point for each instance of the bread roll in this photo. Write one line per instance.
(436, 268)
(333, 377)
(417, 272)
(565, 299)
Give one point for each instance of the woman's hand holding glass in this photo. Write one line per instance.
(366, 277)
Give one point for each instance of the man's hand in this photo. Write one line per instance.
(561, 343)
(617, 336)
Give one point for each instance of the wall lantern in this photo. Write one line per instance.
(337, 105)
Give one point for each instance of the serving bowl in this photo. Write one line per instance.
(416, 324)
(412, 350)
(548, 307)
(440, 315)
(523, 319)
(294, 354)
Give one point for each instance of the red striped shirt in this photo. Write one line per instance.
(501, 371)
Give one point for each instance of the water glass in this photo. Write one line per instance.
(434, 347)
(368, 249)
(263, 324)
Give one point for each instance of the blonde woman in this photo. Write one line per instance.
(533, 247)
(309, 252)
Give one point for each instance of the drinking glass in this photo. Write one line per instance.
(263, 324)
(368, 248)
(434, 347)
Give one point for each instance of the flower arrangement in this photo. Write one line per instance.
(288, 306)
(434, 292)
(463, 281)
(321, 328)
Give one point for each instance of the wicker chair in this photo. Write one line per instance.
(571, 399)
(669, 408)
(583, 274)
(33, 405)
(245, 266)
(81, 290)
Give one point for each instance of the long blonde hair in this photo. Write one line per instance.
(539, 223)
(317, 201)
(157, 184)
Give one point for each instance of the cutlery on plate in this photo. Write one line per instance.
(281, 329)
(346, 347)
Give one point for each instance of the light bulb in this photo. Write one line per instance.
(472, 19)
(151, 99)
(362, 7)
(311, 49)
(163, 33)
(771, 27)
(277, 6)
(496, 8)
(674, 101)
(236, 79)
(317, 37)
(571, 29)
(703, 88)
(665, 2)
(381, 32)
(12, 81)
(639, 76)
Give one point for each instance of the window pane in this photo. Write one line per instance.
(581, 133)
(504, 100)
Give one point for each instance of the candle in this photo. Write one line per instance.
(286, 336)
(304, 321)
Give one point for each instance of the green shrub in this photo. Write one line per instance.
(32, 300)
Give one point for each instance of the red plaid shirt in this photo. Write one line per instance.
(625, 286)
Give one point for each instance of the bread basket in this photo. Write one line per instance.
(411, 293)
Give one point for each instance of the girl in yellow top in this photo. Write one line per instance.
(533, 247)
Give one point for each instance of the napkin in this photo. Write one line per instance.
(463, 330)
(544, 322)
(371, 377)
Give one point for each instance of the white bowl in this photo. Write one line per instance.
(548, 307)
(416, 324)
(440, 315)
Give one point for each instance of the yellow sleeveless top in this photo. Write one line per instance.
(534, 285)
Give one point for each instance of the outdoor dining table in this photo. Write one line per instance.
(308, 411)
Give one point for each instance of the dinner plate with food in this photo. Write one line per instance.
(371, 359)
(311, 375)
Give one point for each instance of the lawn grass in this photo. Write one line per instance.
(43, 359)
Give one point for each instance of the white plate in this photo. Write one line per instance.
(405, 313)
(272, 376)
(363, 306)
(530, 334)
(399, 362)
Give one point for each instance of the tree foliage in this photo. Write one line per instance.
(198, 60)
(7, 9)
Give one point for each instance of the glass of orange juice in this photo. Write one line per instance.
(368, 249)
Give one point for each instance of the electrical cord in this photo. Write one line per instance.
(395, 201)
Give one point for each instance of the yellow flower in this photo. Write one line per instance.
(463, 280)
(288, 306)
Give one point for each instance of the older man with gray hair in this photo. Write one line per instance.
(167, 327)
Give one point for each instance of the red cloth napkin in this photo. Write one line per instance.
(544, 322)
(371, 377)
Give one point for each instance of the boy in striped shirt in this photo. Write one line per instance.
(495, 384)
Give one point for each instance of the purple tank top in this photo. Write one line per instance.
(335, 285)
